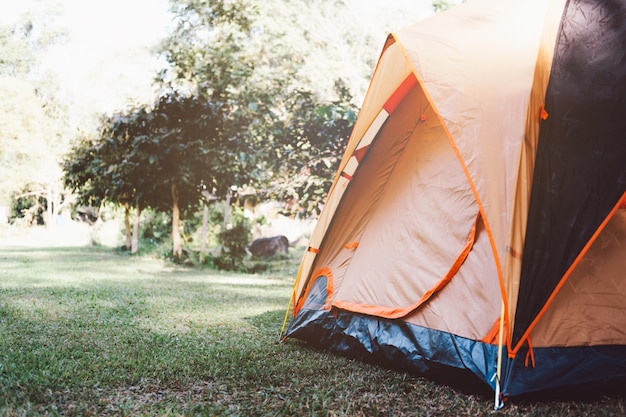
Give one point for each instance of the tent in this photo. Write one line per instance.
(477, 221)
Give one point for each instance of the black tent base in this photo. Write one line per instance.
(590, 392)
(461, 380)
(387, 343)
(464, 364)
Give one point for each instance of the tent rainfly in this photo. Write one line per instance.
(477, 220)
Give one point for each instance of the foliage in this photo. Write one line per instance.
(99, 170)
(238, 83)
(220, 49)
(86, 331)
(191, 147)
(205, 47)
(215, 224)
(33, 129)
(16, 58)
(233, 241)
(24, 40)
(83, 170)
(214, 54)
(156, 228)
(138, 154)
(144, 152)
(28, 208)
(307, 147)
(441, 5)
(27, 141)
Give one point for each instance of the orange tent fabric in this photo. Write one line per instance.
(489, 133)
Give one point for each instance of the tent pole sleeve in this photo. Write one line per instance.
(498, 404)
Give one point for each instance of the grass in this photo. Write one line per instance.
(88, 331)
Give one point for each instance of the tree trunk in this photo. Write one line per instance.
(49, 220)
(205, 228)
(127, 245)
(227, 210)
(177, 246)
(135, 241)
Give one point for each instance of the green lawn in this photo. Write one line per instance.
(88, 331)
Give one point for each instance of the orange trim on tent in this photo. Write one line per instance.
(297, 306)
(401, 92)
(530, 355)
(543, 114)
(567, 274)
(491, 337)
(330, 285)
(322, 272)
(399, 312)
(351, 245)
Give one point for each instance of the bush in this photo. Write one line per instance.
(192, 233)
(27, 208)
(233, 243)
(155, 227)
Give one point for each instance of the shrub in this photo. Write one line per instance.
(27, 208)
(233, 243)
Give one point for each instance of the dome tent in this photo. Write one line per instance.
(478, 217)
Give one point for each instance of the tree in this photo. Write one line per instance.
(158, 156)
(29, 140)
(213, 57)
(111, 167)
(306, 148)
(260, 62)
(185, 154)
(92, 171)
(16, 58)
(31, 124)
(128, 141)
